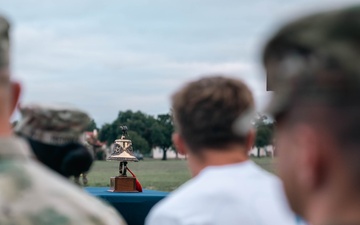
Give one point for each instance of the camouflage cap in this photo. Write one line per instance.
(4, 42)
(52, 124)
(315, 57)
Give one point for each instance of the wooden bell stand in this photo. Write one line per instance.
(123, 183)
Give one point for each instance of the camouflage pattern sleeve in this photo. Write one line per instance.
(31, 194)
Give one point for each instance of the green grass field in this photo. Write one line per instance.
(154, 174)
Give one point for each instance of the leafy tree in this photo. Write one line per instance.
(92, 126)
(108, 133)
(138, 122)
(161, 133)
(138, 142)
(145, 129)
(264, 132)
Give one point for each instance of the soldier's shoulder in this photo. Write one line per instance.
(45, 195)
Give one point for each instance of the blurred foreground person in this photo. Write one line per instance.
(313, 64)
(30, 193)
(55, 134)
(84, 179)
(227, 188)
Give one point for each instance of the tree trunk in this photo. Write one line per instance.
(164, 154)
(258, 152)
(176, 155)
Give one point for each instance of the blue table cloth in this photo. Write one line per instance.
(134, 207)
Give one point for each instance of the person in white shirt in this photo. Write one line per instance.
(226, 188)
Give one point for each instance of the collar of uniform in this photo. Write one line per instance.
(14, 148)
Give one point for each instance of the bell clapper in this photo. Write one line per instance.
(123, 169)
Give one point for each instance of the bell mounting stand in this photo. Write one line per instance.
(123, 183)
(123, 152)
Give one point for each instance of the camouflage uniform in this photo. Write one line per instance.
(30, 194)
(315, 59)
(56, 125)
(52, 124)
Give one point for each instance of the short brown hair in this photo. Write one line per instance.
(205, 111)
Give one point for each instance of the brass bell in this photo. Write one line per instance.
(124, 153)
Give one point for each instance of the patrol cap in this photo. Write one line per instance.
(315, 58)
(52, 124)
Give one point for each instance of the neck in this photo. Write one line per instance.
(216, 157)
(5, 128)
(333, 210)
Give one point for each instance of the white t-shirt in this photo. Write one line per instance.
(241, 194)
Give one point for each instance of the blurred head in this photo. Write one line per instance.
(70, 159)
(205, 111)
(9, 91)
(312, 66)
(55, 133)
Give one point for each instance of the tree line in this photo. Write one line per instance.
(147, 131)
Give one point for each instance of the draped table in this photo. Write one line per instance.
(134, 207)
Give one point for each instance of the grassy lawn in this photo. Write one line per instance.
(153, 174)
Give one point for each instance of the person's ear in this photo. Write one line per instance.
(312, 161)
(179, 143)
(15, 95)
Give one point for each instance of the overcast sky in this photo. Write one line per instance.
(107, 56)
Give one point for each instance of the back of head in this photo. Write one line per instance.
(205, 111)
(55, 135)
(70, 159)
